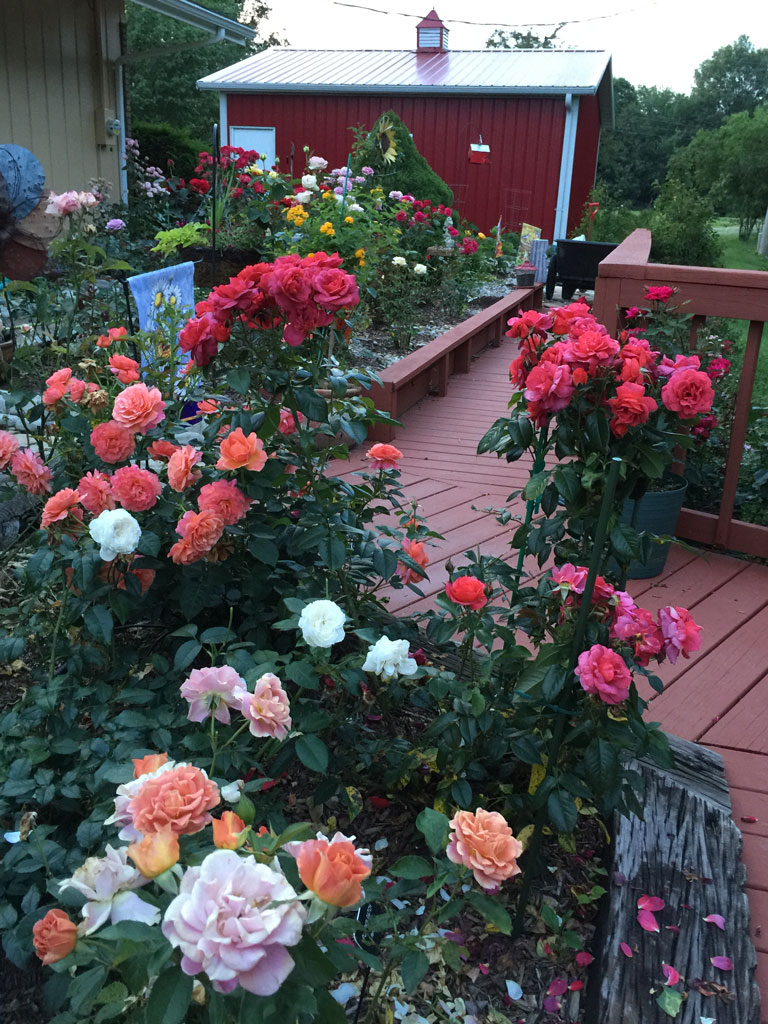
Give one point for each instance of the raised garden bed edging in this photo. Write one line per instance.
(427, 370)
(688, 852)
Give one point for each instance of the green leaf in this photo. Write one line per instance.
(169, 999)
(313, 753)
(536, 485)
(434, 827)
(602, 762)
(98, 622)
(492, 910)
(562, 810)
(413, 968)
(131, 931)
(598, 432)
(461, 791)
(412, 867)
(84, 989)
(239, 379)
(670, 1001)
(567, 482)
(186, 654)
(314, 406)
(333, 552)
(550, 918)
(302, 673)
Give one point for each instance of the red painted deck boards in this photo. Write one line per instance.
(727, 679)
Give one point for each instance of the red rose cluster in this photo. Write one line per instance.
(567, 349)
(302, 294)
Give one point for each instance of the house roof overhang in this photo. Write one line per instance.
(202, 18)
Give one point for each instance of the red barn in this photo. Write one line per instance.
(538, 112)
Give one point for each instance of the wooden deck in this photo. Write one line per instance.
(719, 697)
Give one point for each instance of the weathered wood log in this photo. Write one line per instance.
(686, 851)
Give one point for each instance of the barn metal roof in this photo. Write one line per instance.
(466, 72)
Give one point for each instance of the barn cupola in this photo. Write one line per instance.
(431, 34)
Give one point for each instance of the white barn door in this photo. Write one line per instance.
(260, 139)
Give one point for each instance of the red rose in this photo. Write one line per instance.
(630, 408)
(467, 591)
(200, 185)
(334, 289)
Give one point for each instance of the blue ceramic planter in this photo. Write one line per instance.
(658, 513)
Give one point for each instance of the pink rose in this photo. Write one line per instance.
(8, 448)
(604, 674)
(570, 577)
(136, 489)
(334, 289)
(688, 393)
(483, 842)
(139, 408)
(31, 472)
(681, 634)
(667, 367)
(659, 293)
(549, 386)
(212, 690)
(637, 628)
(225, 499)
(267, 708)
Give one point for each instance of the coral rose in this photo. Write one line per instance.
(592, 350)
(124, 368)
(233, 919)
(333, 870)
(239, 451)
(112, 442)
(225, 499)
(214, 690)
(139, 408)
(550, 386)
(467, 591)
(156, 852)
(8, 448)
(200, 529)
(178, 799)
(227, 831)
(267, 708)
(630, 408)
(181, 472)
(287, 423)
(688, 393)
(384, 456)
(54, 937)
(148, 763)
(604, 674)
(483, 842)
(681, 634)
(113, 334)
(136, 489)
(334, 289)
(95, 489)
(59, 508)
(31, 472)
(416, 550)
(162, 449)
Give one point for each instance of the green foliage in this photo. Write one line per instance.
(500, 39)
(161, 142)
(682, 227)
(169, 241)
(733, 79)
(408, 172)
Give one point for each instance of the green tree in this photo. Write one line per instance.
(500, 39)
(164, 90)
(733, 79)
(729, 166)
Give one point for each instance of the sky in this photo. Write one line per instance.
(653, 42)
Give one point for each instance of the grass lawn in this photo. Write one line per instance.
(741, 255)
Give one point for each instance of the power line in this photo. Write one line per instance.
(496, 24)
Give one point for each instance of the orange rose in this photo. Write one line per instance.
(201, 530)
(58, 508)
(156, 852)
(333, 870)
(181, 474)
(139, 408)
(148, 763)
(178, 799)
(226, 831)
(54, 936)
(112, 442)
(113, 334)
(414, 549)
(384, 456)
(468, 591)
(484, 843)
(241, 452)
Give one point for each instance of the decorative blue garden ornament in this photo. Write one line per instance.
(171, 288)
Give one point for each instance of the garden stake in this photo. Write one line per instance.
(344, 197)
(531, 506)
(532, 853)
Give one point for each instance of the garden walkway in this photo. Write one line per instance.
(719, 697)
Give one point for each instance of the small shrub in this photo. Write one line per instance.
(682, 228)
(160, 142)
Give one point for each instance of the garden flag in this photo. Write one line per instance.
(171, 286)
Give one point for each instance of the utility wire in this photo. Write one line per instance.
(496, 24)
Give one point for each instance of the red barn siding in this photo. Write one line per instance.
(525, 135)
(584, 157)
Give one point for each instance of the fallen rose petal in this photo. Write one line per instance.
(723, 963)
(716, 919)
(576, 986)
(651, 903)
(672, 928)
(625, 949)
(669, 972)
(513, 989)
(483, 968)
(551, 1004)
(647, 921)
(584, 959)
(557, 987)
(748, 817)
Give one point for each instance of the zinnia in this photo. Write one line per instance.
(604, 674)
(233, 919)
(467, 591)
(333, 870)
(239, 451)
(483, 842)
(267, 708)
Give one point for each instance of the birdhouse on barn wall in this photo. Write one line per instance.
(479, 152)
(431, 34)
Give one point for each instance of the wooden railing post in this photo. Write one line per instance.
(739, 431)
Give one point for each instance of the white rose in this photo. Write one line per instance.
(106, 883)
(303, 197)
(316, 163)
(419, 268)
(322, 623)
(309, 181)
(389, 658)
(231, 792)
(399, 261)
(355, 208)
(117, 533)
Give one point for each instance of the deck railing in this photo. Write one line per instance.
(707, 291)
(427, 370)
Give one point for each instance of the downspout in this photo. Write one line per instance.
(130, 58)
(566, 165)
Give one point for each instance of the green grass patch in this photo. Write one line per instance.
(740, 254)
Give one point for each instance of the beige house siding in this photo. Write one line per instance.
(57, 86)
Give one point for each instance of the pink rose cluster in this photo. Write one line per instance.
(302, 294)
(602, 670)
(567, 348)
(213, 691)
(26, 466)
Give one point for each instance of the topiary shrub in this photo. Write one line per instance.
(159, 142)
(406, 169)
